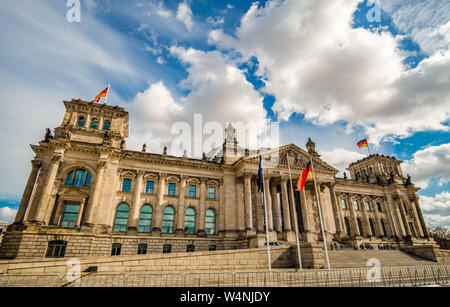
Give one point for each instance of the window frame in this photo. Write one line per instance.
(142, 249)
(145, 219)
(213, 193)
(81, 119)
(62, 246)
(168, 229)
(147, 187)
(116, 217)
(169, 189)
(207, 222)
(106, 123)
(116, 249)
(64, 212)
(356, 205)
(192, 193)
(73, 174)
(126, 179)
(190, 248)
(192, 214)
(167, 248)
(344, 204)
(94, 123)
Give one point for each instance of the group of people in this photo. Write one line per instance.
(364, 246)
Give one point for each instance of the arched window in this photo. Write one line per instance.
(384, 228)
(372, 228)
(56, 249)
(145, 219)
(106, 125)
(121, 221)
(94, 123)
(361, 232)
(210, 222)
(79, 178)
(189, 221)
(81, 121)
(347, 227)
(343, 204)
(168, 218)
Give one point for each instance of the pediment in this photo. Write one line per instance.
(74, 193)
(298, 159)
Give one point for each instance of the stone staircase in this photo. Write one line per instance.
(359, 258)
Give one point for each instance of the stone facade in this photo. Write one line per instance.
(87, 193)
(3, 228)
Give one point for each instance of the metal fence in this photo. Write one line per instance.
(363, 277)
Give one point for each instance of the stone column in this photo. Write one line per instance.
(336, 209)
(80, 213)
(135, 209)
(221, 217)
(94, 201)
(248, 202)
(42, 208)
(417, 219)
(240, 204)
(275, 207)
(268, 202)
(404, 217)
(36, 165)
(285, 204)
(390, 209)
(378, 227)
(366, 225)
(306, 211)
(160, 199)
(353, 222)
(259, 210)
(292, 210)
(181, 210)
(201, 226)
(421, 219)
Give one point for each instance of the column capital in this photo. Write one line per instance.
(56, 159)
(102, 164)
(36, 163)
(140, 173)
(162, 176)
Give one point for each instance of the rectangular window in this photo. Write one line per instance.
(142, 249)
(167, 249)
(70, 215)
(126, 187)
(368, 207)
(172, 189)
(149, 188)
(192, 191)
(116, 247)
(343, 204)
(212, 193)
(56, 249)
(380, 209)
(190, 248)
(355, 205)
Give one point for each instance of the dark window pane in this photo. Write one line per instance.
(106, 125)
(149, 187)
(126, 187)
(94, 123)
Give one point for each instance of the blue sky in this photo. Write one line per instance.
(321, 68)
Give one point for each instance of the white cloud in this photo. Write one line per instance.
(340, 158)
(436, 209)
(7, 214)
(162, 11)
(428, 15)
(217, 90)
(184, 14)
(428, 163)
(315, 63)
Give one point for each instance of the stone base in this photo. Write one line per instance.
(289, 236)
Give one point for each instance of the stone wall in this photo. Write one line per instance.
(34, 244)
(226, 260)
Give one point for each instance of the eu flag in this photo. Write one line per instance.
(259, 182)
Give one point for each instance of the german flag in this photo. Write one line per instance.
(102, 94)
(307, 174)
(363, 143)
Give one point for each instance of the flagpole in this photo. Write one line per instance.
(368, 147)
(320, 214)
(107, 93)
(267, 224)
(295, 218)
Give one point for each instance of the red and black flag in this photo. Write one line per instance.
(307, 174)
(363, 143)
(102, 94)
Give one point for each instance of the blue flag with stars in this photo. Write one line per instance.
(260, 174)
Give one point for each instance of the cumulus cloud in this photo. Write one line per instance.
(340, 158)
(428, 15)
(315, 63)
(218, 91)
(184, 14)
(7, 214)
(428, 163)
(436, 209)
